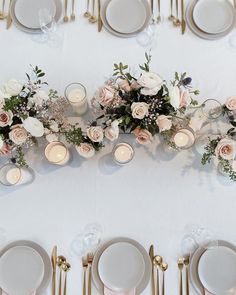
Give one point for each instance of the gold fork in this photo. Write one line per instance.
(85, 266)
(2, 14)
(72, 16)
(66, 18)
(93, 18)
(90, 261)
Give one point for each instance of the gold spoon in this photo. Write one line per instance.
(181, 266)
(2, 13)
(66, 267)
(72, 16)
(93, 18)
(186, 263)
(177, 21)
(163, 268)
(157, 261)
(60, 261)
(66, 18)
(87, 13)
(171, 17)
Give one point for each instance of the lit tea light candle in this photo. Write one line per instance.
(77, 97)
(123, 153)
(12, 175)
(57, 153)
(184, 138)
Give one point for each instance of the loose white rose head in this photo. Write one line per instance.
(185, 98)
(85, 150)
(54, 126)
(139, 110)
(95, 133)
(18, 135)
(51, 137)
(164, 123)
(174, 94)
(112, 133)
(143, 136)
(150, 82)
(13, 87)
(34, 126)
(39, 98)
(226, 148)
(5, 118)
(231, 103)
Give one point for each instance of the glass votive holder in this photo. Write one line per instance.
(57, 153)
(123, 153)
(184, 138)
(212, 109)
(76, 95)
(12, 175)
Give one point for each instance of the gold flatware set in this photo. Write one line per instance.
(178, 20)
(59, 263)
(6, 15)
(156, 19)
(87, 267)
(72, 16)
(92, 16)
(157, 265)
(183, 262)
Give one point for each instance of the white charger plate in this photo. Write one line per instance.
(121, 267)
(217, 270)
(126, 16)
(194, 263)
(147, 264)
(193, 27)
(21, 270)
(213, 16)
(32, 30)
(125, 35)
(43, 254)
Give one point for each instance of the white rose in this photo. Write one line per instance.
(85, 150)
(150, 91)
(174, 94)
(164, 123)
(231, 103)
(139, 110)
(51, 137)
(226, 148)
(39, 98)
(115, 123)
(150, 80)
(1, 143)
(33, 126)
(13, 87)
(95, 133)
(18, 134)
(112, 133)
(54, 126)
(46, 131)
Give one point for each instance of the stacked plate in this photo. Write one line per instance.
(121, 265)
(25, 268)
(210, 19)
(125, 18)
(25, 13)
(213, 269)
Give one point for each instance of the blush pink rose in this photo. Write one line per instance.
(226, 148)
(5, 118)
(106, 95)
(18, 134)
(124, 85)
(231, 103)
(185, 99)
(164, 123)
(143, 136)
(5, 149)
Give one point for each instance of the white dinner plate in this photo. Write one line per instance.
(111, 30)
(126, 16)
(217, 270)
(196, 30)
(33, 26)
(21, 270)
(44, 256)
(121, 267)
(144, 280)
(213, 16)
(194, 262)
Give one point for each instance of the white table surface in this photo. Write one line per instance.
(155, 197)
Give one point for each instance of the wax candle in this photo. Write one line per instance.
(11, 175)
(123, 153)
(57, 153)
(184, 138)
(76, 95)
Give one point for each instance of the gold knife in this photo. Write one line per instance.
(100, 24)
(9, 19)
(151, 255)
(183, 23)
(54, 267)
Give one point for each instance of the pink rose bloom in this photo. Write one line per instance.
(226, 148)
(164, 123)
(4, 150)
(143, 136)
(184, 98)
(106, 95)
(18, 134)
(5, 118)
(85, 150)
(135, 86)
(124, 85)
(231, 103)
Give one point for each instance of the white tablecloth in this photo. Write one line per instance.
(153, 198)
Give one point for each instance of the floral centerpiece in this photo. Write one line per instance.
(144, 105)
